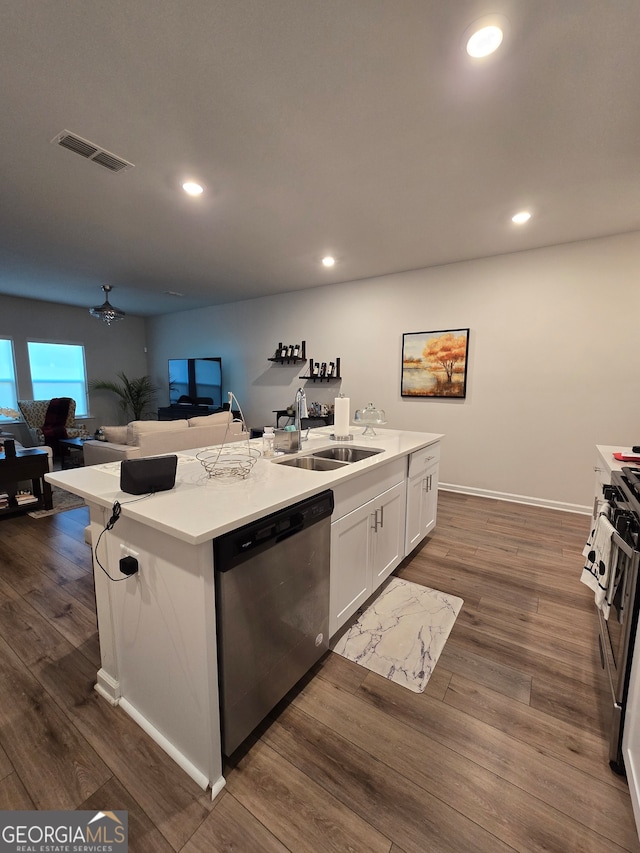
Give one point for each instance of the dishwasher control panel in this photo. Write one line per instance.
(232, 548)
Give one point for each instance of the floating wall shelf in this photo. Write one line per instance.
(323, 371)
(289, 353)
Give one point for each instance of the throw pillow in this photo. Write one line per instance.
(210, 420)
(115, 434)
(138, 428)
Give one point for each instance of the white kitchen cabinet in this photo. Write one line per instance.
(366, 546)
(388, 533)
(350, 564)
(422, 494)
(604, 466)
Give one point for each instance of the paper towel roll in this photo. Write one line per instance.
(341, 416)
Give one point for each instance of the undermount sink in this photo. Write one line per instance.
(347, 454)
(310, 463)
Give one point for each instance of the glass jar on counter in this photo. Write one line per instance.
(370, 415)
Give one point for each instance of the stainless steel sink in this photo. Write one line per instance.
(310, 463)
(347, 454)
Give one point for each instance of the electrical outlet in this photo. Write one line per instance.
(129, 564)
(128, 552)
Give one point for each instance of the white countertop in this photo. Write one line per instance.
(200, 508)
(606, 452)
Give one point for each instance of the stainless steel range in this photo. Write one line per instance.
(617, 632)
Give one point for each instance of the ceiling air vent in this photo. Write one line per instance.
(91, 151)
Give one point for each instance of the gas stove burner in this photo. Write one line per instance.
(624, 499)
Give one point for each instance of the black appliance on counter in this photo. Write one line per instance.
(617, 633)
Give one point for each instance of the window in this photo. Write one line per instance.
(57, 370)
(8, 393)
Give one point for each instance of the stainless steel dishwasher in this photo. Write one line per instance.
(272, 610)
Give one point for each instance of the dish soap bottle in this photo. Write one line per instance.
(268, 439)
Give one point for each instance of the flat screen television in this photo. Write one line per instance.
(195, 381)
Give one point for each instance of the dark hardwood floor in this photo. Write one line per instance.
(505, 750)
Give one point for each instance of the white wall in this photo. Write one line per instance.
(108, 350)
(553, 358)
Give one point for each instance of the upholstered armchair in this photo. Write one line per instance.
(34, 413)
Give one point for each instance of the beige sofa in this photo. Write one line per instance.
(153, 438)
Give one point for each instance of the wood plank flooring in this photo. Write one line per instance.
(505, 750)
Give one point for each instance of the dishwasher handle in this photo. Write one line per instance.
(297, 524)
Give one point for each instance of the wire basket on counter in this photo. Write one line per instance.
(230, 461)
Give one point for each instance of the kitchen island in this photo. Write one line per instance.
(157, 628)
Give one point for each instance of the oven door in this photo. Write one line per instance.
(616, 635)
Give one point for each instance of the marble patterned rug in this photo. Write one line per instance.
(402, 633)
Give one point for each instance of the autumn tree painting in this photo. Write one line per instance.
(434, 364)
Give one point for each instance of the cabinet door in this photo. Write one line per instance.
(415, 490)
(429, 499)
(603, 478)
(422, 496)
(388, 533)
(350, 564)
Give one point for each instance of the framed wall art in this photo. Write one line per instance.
(434, 364)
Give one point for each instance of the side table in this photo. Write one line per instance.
(29, 463)
(71, 452)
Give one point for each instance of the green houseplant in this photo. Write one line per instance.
(136, 395)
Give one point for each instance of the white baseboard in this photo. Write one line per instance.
(518, 499)
(216, 787)
(180, 759)
(107, 687)
(110, 690)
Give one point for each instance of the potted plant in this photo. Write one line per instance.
(136, 395)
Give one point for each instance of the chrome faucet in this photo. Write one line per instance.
(300, 406)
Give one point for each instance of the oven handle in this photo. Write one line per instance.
(623, 546)
(618, 544)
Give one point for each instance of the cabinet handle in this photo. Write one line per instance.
(381, 516)
(374, 516)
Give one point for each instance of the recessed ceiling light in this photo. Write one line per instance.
(521, 218)
(485, 36)
(484, 42)
(328, 261)
(192, 188)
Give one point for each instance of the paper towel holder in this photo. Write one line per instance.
(334, 437)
